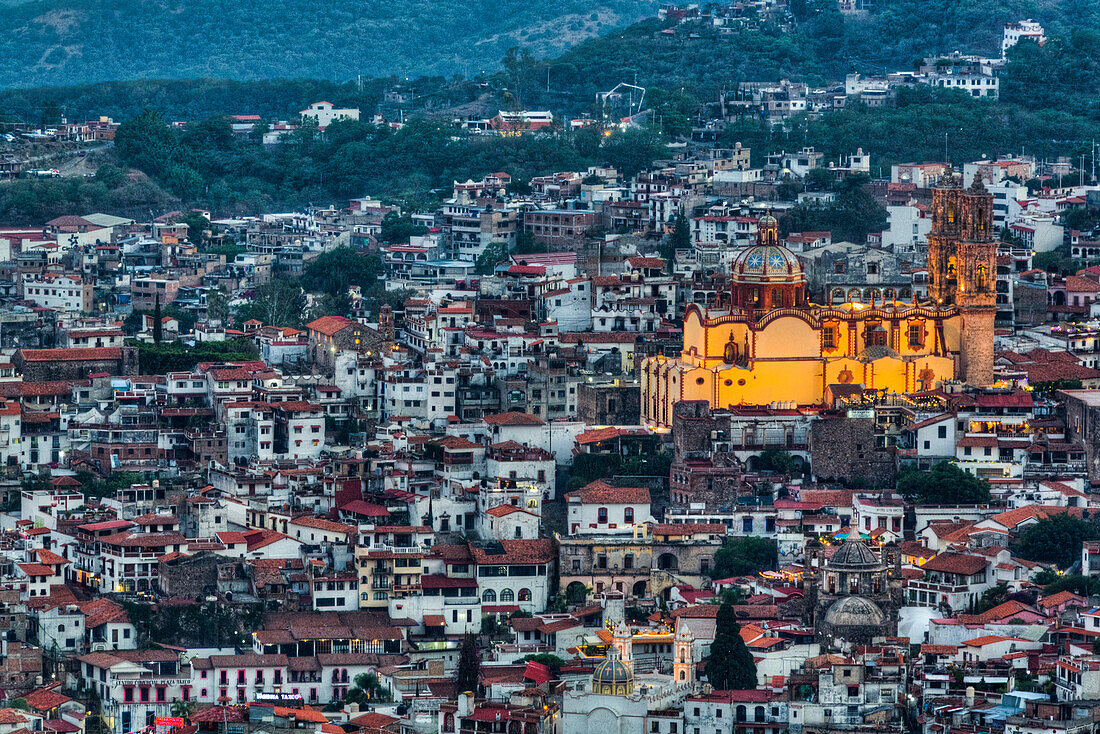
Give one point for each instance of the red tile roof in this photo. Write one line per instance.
(330, 325)
(515, 552)
(956, 563)
(79, 354)
(602, 493)
(513, 418)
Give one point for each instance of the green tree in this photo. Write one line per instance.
(278, 302)
(944, 484)
(468, 672)
(526, 244)
(1056, 539)
(21, 704)
(679, 239)
(779, 461)
(730, 665)
(397, 229)
(337, 270)
(367, 688)
(493, 253)
(197, 227)
(744, 556)
(182, 709)
(820, 179)
(633, 150)
(217, 305)
(331, 304)
(158, 325)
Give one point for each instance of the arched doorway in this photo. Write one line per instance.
(576, 592)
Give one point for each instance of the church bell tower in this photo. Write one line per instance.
(962, 267)
(683, 662)
(623, 642)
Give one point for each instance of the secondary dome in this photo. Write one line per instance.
(767, 264)
(613, 676)
(854, 555)
(854, 611)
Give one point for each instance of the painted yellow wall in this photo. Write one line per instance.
(787, 364)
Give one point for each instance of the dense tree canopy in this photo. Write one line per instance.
(744, 556)
(335, 271)
(1056, 540)
(944, 484)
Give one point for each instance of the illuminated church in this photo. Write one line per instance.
(764, 342)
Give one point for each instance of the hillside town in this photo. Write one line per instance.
(275, 474)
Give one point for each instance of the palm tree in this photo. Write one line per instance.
(182, 709)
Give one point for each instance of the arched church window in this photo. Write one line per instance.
(729, 355)
(981, 276)
(951, 267)
(951, 215)
(777, 297)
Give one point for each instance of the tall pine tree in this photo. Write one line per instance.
(158, 327)
(468, 674)
(680, 239)
(730, 665)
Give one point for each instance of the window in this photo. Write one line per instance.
(916, 335)
(601, 515)
(628, 515)
(828, 337)
(941, 432)
(507, 595)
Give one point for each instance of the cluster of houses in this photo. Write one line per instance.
(470, 459)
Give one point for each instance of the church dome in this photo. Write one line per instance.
(767, 264)
(854, 611)
(854, 555)
(613, 676)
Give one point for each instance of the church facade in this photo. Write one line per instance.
(765, 343)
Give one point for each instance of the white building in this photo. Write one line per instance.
(59, 291)
(1024, 29)
(325, 113)
(909, 226)
(601, 508)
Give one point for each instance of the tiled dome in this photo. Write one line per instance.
(854, 555)
(765, 263)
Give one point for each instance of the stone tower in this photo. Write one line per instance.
(683, 660)
(624, 643)
(385, 323)
(962, 270)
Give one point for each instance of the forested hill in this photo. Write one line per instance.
(64, 42)
(817, 44)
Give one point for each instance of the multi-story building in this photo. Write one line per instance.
(60, 291)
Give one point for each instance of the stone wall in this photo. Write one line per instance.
(844, 449)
